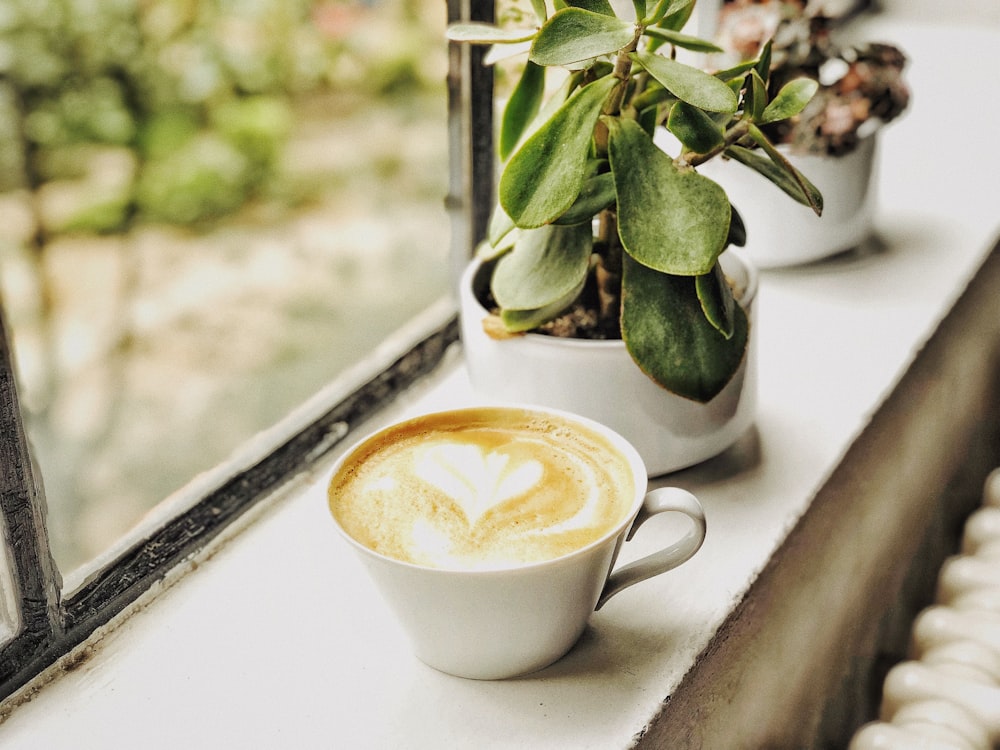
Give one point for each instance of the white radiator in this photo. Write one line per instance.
(948, 696)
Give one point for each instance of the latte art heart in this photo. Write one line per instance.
(477, 481)
(496, 489)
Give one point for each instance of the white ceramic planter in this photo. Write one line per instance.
(781, 232)
(598, 379)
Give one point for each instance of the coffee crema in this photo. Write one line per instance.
(482, 488)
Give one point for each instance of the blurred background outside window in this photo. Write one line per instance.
(208, 209)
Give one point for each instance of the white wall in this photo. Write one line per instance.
(957, 11)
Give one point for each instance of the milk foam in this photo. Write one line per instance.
(486, 493)
(475, 480)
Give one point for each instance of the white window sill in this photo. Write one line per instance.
(278, 639)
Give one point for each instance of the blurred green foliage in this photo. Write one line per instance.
(197, 95)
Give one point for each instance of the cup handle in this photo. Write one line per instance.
(662, 500)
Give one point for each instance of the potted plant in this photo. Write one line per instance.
(834, 139)
(603, 245)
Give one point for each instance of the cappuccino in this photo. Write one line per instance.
(483, 488)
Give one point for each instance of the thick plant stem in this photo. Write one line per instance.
(613, 107)
(608, 272)
(734, 134)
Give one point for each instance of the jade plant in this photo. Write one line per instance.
(599, 231)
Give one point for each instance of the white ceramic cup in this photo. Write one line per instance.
(500, 623)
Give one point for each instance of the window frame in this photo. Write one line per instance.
(48, 622)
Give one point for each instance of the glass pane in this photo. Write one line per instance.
(209, 210)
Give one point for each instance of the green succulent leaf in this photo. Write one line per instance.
(763, 64)
(500, 226)
(671, 340)
(687, 83)
(757, 96)
(486, 252)
(736, 84)
(814, 199)
(737, 72)
(544, 176)
(550, 105)
(597, 165)
(671, 14)
(648, 120)
(737, 229)
(597, 194)
(542, 274)
(684, 41)
(594, 6)
(522, 107)
(541, 12)
(653, 96)
(557, 98)
(573, 35)
(717, 301)
(776, 174)
(696, 130)
(472, 32)
(672, 220)
(792, 99)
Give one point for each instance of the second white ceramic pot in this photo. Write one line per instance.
(599, 380)
(782, 232)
